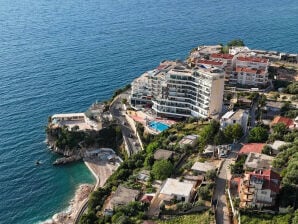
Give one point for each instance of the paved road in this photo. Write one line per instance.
(221, 212)
(127, 132)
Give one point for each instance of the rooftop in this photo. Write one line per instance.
(175, 187)
(69, 115)
(253, 59)
(203, 167)
(251, 70)
(258, 161)
(188, 140)
(228, 115)
(279, 119)
(274, 104)
(271, 180)
(238, 114)
(276, 144)
(163, 154)
(210, 62)
(252, 147)
(123, 196)
(222, 56)
(209, 49)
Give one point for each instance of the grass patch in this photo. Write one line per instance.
(256, 218)
(204, 218)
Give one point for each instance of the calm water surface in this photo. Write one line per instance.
(60, 56)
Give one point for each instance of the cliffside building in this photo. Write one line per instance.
(175, 90)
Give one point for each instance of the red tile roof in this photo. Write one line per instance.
(253, 59)
(146, 198)
(270, 178)
(252, 147)
(223, 56)
(250, 70)
(211, 62)
(279, 119)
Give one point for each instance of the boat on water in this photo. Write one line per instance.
(37, 162)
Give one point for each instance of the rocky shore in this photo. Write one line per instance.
(68, 155)
(67, 217)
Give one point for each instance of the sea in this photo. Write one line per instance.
(59, 56)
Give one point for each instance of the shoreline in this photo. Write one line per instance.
(101, 170)
(93, 173)
(68, 215)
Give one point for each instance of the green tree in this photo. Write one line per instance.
(162, 169)
(209, 131)
(233, 132)
(292, 88)
(258, 134)
(89, 218)
(267, 150)
(210, 175)
(219, 138)
(237, 131)
(295, 218)
(236, 43)
(204, 192)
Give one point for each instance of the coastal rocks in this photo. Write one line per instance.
(68, 217)
(65, 160)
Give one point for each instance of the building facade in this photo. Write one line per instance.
(176, 90)
(259, 189)
(235, 117)
(252, 71)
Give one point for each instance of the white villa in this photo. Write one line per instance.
(173, 188)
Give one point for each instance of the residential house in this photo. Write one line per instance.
(202, 168)
(272, 108)
(276, 145)
(288, 122)
(259, 188)
(189, 140)
(251, 147)
(235, 117)
(176, 189)
(122, 196)
(160, 154)
(256, 161)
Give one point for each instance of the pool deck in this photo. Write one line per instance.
(143, 117)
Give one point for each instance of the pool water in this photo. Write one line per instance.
(158, 126)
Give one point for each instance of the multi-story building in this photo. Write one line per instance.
(251, 71)
(259, 188)
(179, 91)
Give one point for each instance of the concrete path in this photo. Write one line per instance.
(221, 212)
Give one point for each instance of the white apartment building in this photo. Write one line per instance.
(181, 91)
(251, 71)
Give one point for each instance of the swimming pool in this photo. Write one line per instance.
(158, 126)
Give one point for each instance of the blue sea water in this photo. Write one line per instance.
(61, 56)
